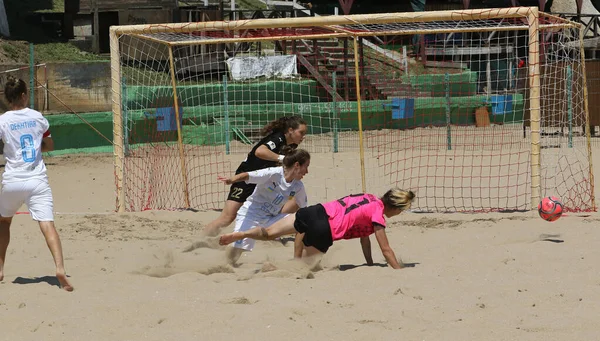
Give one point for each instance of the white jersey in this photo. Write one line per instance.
(271, 193)
(22, 132)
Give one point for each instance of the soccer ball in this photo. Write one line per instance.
(550, 208)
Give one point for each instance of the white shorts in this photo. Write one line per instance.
(248, 222)
(35, 193)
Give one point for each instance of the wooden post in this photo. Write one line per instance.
(96, 26)
(362, 63)
(346, 78)
(315, 48)
(118, 143)
(31, 77)
(176, 14)
(360, 127)
(186, 192)
(535, 105)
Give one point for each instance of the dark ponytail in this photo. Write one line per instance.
(282, 124)
(14, 89)
(293, 155)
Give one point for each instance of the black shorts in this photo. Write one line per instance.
(313, 221)
(240, 191)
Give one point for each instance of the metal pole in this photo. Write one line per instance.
(335, 113)
(448, 131)
(125, 116)
(226, 112)
(570, 103)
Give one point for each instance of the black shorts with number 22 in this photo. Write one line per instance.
(240, 191)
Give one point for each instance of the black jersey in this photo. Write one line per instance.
(273, 141)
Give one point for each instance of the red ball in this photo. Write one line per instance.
(550, 208)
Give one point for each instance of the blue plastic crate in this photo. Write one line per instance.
(402, 108)
(166, 119)
(501, 104)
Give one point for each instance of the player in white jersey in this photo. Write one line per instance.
(274, 187)
(25, 133)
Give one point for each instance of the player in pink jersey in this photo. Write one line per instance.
(353, 216)
(25, 133)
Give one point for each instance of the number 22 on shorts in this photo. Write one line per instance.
(27, 148)
(236, 192)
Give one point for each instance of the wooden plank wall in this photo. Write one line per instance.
(85, 6)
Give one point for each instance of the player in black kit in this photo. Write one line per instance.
(287, 130)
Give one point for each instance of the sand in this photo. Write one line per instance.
(492, 276)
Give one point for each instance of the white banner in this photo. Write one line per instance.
(3, 21)
(242, 68)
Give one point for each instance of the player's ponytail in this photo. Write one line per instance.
(283, 124)
(14, 89)
(293, 155)
(398, 198)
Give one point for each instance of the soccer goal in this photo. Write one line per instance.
(474, 110)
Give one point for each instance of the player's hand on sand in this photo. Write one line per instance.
(225, 180)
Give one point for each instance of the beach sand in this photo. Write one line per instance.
(486, 276)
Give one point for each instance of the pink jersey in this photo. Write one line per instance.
(354, 216)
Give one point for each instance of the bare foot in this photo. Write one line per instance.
(230, 238)
(1, 276)
(64, 282)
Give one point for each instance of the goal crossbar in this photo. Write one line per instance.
(213, 32)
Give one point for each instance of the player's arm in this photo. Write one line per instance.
(365, 243)
(47, 142)
(263, 152)
(291, 206)
(254, 177)
(236, 178)
(387, 251)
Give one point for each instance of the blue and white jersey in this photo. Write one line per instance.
(271, 193)
(22, 132)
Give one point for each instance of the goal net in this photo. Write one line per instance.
(474, 110)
